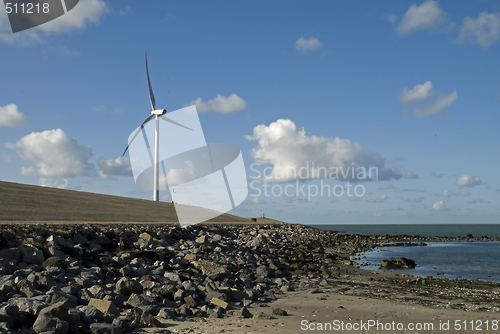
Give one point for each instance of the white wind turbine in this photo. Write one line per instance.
(158, 114)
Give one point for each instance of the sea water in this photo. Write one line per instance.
(467, 260)
(424, 230)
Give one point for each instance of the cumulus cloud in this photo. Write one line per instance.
(439, 206)
(89, 11)
(118, 166)
(58, 183)
(418, 92)
(176, 176)
(294, 154)
(438, 107)
(10, 116)
(410, 175)
(415, 200)
(53, 154)
(467, 181)
(464, 193)
(426, 16)
(379, 199)
(483, 30)
(306, 45)
(220, 103)
(423, 92)
(445, 193)
(437, 175)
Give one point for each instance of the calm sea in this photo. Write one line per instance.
(469, 260)
(424, 230)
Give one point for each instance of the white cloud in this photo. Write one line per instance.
(176, 176)
(53, 154)
(483, 30)
(118, 166)
(10, 116)
(467, 181)
(220, 103)
(379, 199)
(88, 11)
(391, 18)
(445, 193)
(426, 16)
(465, 193)
(288, 149)
(57, 183)
(418, 92)
(255, 201)
(438, 107)
(410, 175)
(437, 175)
(305, 45)
(439, 206)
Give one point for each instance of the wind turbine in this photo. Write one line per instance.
(158, 114)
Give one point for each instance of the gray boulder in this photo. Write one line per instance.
(45, 323)
(31, 255)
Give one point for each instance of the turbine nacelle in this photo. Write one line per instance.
(159, 112)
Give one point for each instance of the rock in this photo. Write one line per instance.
(31, 255)
(126, 286)
(58, 310)
(92, 313)
(166, 313)
(397, 263)
(104, 328)
(54, 262)
(202, 239)
(105, 306)
(279, 312)
(209, 268)
(220, 303)
(137, 300)
(10, 254)
(45, 323)
(190, 257)
(190, 302)
(149, 320)
(245, 313)
(28, 305)
(264, 271)
(74, 315)
(123, 324)
(261, 315)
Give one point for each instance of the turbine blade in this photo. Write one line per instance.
(166, 119)
(138, 131)
(151, 95)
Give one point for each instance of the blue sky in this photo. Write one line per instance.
(412, 88)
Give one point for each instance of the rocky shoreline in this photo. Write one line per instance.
(91, 278)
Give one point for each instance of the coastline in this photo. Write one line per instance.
(304, 271)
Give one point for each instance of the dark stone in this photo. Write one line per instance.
(279, 312)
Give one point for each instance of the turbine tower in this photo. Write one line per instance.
(158, 114)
